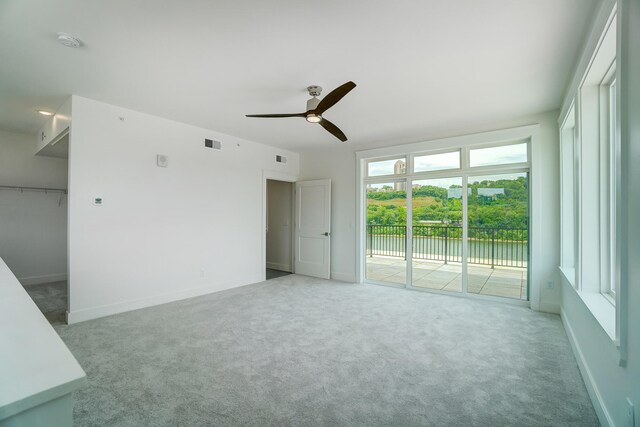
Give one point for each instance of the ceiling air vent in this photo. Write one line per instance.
(211, 143)
(281, 159)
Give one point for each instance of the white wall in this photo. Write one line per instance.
(33, 228)
(279, 225)
(338, 162)
(609, 384)
(162, 233)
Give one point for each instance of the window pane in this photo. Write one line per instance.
(436, 162)
(388, 167)
(498, 244)
(437, 234)
(505, 154)
(386, 232)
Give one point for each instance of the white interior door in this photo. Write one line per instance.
(313, 228)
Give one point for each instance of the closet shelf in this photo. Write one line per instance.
(43, 189)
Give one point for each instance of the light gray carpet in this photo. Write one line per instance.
(51, 299)
(297, 351)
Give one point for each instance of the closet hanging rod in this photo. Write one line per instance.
(44, 189)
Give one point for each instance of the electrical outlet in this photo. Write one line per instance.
(631, 416)
(550, 284)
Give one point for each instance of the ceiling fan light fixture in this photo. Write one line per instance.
(313, 118)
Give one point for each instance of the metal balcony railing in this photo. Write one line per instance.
(494, 246)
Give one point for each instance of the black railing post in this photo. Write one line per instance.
(391, 240)
(405, 242)
(493, 248)
(446, 243)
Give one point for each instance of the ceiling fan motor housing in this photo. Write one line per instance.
(312, 103)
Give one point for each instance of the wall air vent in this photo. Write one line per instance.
(211, 143)
(281, 159)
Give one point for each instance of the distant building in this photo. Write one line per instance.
(490, 192)
(399, 168)
(456, 193)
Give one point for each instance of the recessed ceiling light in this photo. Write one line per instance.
(69, 40)
(45, 112)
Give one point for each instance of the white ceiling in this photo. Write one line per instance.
(420, 66)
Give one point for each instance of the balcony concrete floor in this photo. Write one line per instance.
(499, 281)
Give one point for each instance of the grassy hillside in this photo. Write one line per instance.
(418, 202)
(507, 207)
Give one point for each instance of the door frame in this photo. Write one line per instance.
(463, 143)
(275, 176)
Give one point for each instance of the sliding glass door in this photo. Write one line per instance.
(498, 250)
(452, 222)
(436, 208)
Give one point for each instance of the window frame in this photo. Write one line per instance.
(598, 175)
(464, 172)
(569, 269)
(609, 145)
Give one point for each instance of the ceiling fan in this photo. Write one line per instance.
(315, 108)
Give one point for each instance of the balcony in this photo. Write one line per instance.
(497, 261)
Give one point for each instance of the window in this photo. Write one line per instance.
(397, 166)
(568, 196)
(589, 170)
(505, 154)
(597, 164)
(436, 162)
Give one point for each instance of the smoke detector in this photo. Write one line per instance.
(68, 40)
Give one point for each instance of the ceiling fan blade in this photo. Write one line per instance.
(333, 129)
(273, 116)
(334, 96)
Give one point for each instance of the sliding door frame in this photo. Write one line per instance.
(464, 144)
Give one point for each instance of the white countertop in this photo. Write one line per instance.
(35, 364)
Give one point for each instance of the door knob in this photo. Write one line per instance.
(325, 233)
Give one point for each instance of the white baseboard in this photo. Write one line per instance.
(342, 277)
(592, 388)
(121, 307)
(278, 266)
(47, 278)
